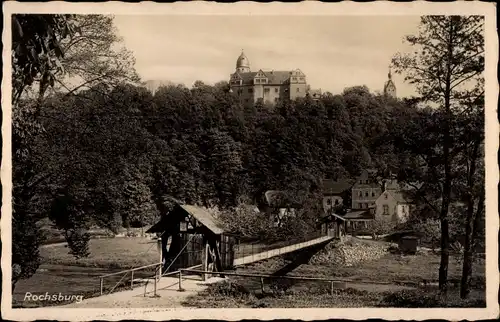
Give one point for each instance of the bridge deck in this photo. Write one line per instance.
(280, 251)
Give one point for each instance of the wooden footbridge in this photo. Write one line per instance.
(190, 238)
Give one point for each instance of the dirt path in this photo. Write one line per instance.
(167, 291)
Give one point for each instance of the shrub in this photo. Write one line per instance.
(228, 288)
(422, 298)
(380, 227)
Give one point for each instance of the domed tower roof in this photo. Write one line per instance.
(242, 61)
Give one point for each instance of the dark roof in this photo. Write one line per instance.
(275, 77)
(247, 77)
(331, 187)
(204, 217)
(331, 217)
(358, 215)
(200, 214)
(281, 199)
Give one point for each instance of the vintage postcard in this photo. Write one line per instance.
(268, 161)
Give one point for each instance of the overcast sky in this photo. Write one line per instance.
(333, 51)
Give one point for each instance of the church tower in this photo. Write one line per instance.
(242, 64)
(389, 87)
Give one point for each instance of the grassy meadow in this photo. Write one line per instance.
(62, 272)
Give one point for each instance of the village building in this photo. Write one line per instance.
(335, 193)
(279, 205)
(191, 236)
(365, 190)
(393, 206)
(270, 86)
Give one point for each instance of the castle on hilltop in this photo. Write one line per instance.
(269, 86)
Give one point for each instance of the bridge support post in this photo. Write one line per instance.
(180, 281)
(205, 261)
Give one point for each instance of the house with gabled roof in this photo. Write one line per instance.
(393, 206)
(335, 193)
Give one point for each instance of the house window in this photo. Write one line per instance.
(276, 99)
(298, 89)
(250, 90)
(276, 90)
(336, 201)
(366, 205)
(360, 205)
(328, 201)
(266, 90)
(246, 100)
(386, 209)
(366, 194)
(373, 194)
(360, 181)
(361, 193)
(385, 195)
(301, 78)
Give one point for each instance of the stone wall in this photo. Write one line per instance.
(349, 252)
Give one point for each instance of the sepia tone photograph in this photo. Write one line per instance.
(250, 161)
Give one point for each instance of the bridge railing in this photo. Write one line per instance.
(249, 249)
(258, 282)
(127, 277)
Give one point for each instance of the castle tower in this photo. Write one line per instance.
(389, 87)
(242, 64)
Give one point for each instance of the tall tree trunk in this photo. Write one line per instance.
(471, 236)
(469, 221)
(467, 259)
(445, 236)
